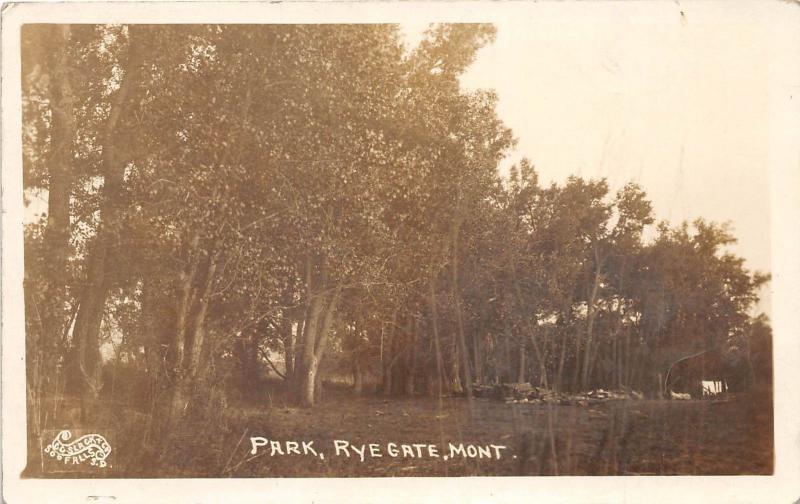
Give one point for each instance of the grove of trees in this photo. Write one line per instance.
(217, 196)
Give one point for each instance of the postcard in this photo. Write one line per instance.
(400, 252)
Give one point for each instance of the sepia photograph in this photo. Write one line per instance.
(534, 245)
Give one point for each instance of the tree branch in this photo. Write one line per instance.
(266, 358)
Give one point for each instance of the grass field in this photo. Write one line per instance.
(628, 437)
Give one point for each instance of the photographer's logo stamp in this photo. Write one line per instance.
(90, 449)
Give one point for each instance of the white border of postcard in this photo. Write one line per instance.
(782, 28)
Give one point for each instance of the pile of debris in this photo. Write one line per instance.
(615, 394)
(527, 393)
(678, 396)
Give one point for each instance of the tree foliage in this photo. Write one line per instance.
(219, 196)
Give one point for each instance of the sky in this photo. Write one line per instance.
(675, 102)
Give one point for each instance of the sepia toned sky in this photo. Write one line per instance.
(676, 102)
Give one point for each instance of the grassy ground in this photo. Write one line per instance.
(609, 438)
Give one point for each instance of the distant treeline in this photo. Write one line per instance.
(219, 195)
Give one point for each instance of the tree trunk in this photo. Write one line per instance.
(477, 353)
(462, 343)
(507, 336)
(308, 383)
(90, 314)
(87, 334)
(389, 356)
(408, 386)
(590, 314)
(435, 326)
(320, 313)
(288, 339)
(455, 368)
(355, 348)
(358, 377)
(561, 359)
(627, 374)
(46, 343)
(185, 367)
(318, 384)
(529, 326)
(246, 352)
(543, 362)
(60, 179)
(194, 344)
